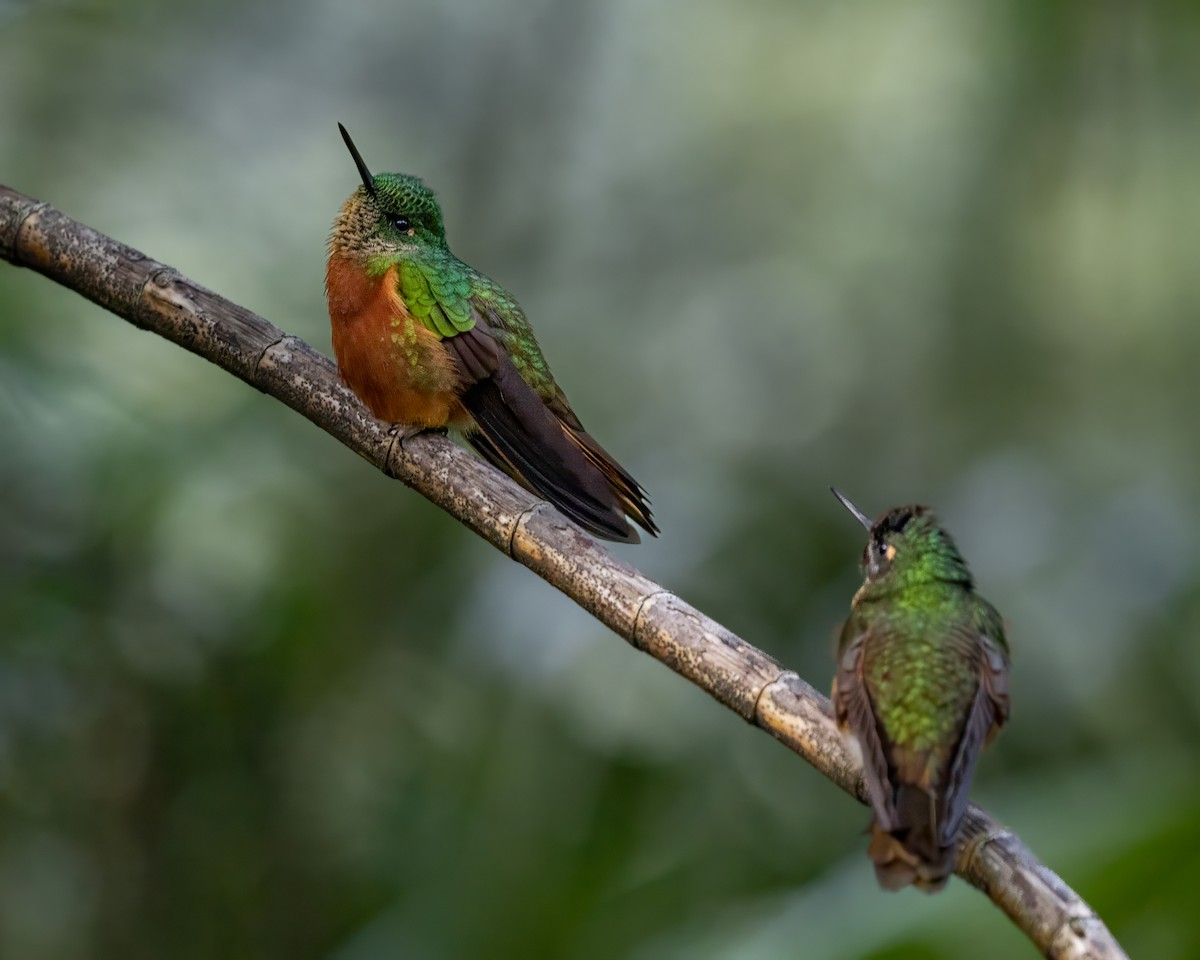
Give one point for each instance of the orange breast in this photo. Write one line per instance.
(391, 360)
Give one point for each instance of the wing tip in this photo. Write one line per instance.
(611, 526)
(628, 535)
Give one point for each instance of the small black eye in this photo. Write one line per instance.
(881, 548)
(399, 222)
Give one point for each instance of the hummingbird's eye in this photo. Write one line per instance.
(399, 221)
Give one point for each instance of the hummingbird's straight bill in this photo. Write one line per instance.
(921, 688)
(428, 341)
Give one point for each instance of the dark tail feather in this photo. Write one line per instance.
(517, 434)
(911, 853)
(629, 491)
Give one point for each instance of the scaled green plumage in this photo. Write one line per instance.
(921, 663)
(921, 686)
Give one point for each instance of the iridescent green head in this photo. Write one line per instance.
(389, 215)
(906, 548)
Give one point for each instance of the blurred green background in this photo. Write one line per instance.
(256, 700)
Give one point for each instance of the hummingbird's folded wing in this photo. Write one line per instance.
(856, 714)
(516, 433)
(988, 712)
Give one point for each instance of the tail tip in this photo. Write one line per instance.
(897, 867)
(630, 535)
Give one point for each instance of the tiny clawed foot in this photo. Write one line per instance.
(399, 432)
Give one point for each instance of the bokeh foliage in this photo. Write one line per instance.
(258, 701)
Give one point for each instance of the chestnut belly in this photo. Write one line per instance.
(395, 364)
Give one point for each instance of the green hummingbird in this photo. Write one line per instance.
(921, 688)
(426, 340)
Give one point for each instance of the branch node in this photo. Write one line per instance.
(524, 515)
(1080, 931)
(635, 635)
(973, 847)
(38, 208)
(781, 677)
(166, 285)
(267, 349)
(163, 277)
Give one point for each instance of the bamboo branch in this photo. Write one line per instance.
(157, 298)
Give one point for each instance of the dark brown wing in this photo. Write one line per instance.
(516, 433)
(856, 714)
(988, 713)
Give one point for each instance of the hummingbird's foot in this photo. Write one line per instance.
(402, 432)
(399, 432)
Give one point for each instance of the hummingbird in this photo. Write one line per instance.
(428, 341)
(921, 688)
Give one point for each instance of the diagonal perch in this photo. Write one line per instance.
(743, 678)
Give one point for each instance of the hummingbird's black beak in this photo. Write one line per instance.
(858, 514)
(367, 179)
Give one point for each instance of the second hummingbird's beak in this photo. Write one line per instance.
(367, 179)
(858, 514)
